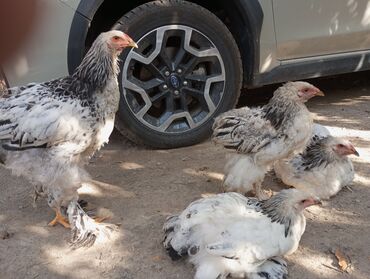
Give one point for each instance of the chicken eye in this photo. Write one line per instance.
(340, 145)
(116, 38)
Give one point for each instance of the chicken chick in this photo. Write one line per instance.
(323, 169)
(263, 135)
(230, 234)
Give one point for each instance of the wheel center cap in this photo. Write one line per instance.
(175, 81)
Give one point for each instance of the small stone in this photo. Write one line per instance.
(5, 234)
(203, 168)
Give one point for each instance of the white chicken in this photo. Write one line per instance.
(230, 234)
(264, 135)
(49, 130)
(323, 169)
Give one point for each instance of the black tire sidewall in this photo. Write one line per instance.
(144, 20)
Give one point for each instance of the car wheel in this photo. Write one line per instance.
(186, 71)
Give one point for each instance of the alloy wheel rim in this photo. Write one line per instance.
(175, 80)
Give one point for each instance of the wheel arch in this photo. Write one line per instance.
(243, 18)
(247, 19)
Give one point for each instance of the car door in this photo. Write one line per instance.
(307, 28)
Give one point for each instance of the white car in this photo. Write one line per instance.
(195, 56)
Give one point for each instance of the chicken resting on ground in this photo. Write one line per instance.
(230, 234)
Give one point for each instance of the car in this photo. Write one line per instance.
(194, 57)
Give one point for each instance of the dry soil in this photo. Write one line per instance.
(139, 187)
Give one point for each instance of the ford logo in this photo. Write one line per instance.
(175, 81)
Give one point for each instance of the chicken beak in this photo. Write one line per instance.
(352, 150)
(319, 93)
(133, 45)
(356, 153)
(317, 201)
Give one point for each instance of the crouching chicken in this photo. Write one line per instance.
(230, 234)
(323, 168)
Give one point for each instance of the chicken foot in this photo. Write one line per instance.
(59, 219)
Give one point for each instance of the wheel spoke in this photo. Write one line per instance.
(170, 103)
(164, 126)
(190, 65)
(158, 46)
(179, 57)
(201, 78)
(154, 70)
(166, 60)
(207, 88)
(199, 95)
(146, 85)
(194, 92)
(212, 51)
(183, 103)
(163, 52)
(159, 96)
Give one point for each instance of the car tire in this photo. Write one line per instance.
(161, 104)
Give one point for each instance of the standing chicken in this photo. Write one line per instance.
(263, 135)
(323, 169)
(229, 234)
(49, 130)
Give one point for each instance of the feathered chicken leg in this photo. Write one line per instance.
(59, 219)
(85, 229)
(84, 205)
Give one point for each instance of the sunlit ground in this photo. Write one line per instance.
(139, 187)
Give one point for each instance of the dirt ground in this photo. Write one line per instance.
(139, 187)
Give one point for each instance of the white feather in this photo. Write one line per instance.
(229, 234)
(242, 172)
(48, 131)
(323, 181)
(259, 143)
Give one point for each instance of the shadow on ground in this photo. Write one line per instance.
(140, 187)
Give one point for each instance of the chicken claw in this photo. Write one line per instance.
(59, 219)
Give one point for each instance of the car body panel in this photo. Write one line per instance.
(320, 27)
(43, 57)
(289, 39)
(73, 4)
(268, 57)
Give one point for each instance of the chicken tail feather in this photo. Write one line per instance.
(85, 230)
(169, 233)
